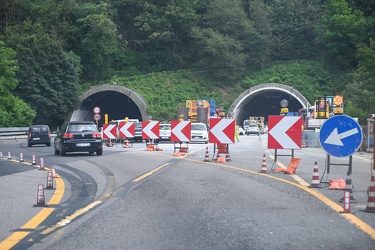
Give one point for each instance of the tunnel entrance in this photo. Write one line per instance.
(264, 100)
(116, 101)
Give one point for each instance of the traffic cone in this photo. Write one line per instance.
(1, 154)
(21, 157)
(346, 200)
(40, 200)
(9, 156)
(315, 183)
(207, 156)
(227, 157)
(348, 185)
(264, 165)
(49, 180)
(33, 161)
(41, 165)
(260, 138)
(371, 197)
(126, 143)
(54, 175)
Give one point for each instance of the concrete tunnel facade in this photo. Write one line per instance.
(120, 102)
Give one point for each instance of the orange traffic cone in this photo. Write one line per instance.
(227, 157)
(348, 185)
(371, 197)
(40, 200)
(206, 156)
(264, 165)
(315, 183)
(346, 200)
(49, 180)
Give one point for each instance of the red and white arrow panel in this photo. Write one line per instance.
(126, 129)
(180, 131)
(150, 130)
(109, 131)
(284, 132)
(222, 130)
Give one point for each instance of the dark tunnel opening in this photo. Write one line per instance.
(117, 105)
(265, 103)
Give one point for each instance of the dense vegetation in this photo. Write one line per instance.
(172, 50)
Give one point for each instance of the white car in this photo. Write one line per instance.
(199, 132)
(252, 129)
(164, 132)
(241, 131)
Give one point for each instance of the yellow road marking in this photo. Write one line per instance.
(16, 237)
(150, 172)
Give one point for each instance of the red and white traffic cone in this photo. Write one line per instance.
(41, 165)
(33, 160)
(264, 165)
(315, 183)
(371, 197)
(9, 156)
(346, 200)
(1, 154)
(40, 200)
(49, 180)
(54, 175)
(207, 156)
(21, 157)
(349, 186)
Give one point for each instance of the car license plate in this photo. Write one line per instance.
(36, 139)
(196, 137)
(83, 144)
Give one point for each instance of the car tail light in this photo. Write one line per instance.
(96, 135)
(68, 136)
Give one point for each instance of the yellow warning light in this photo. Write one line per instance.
(337, 100)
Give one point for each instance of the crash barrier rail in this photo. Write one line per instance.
(14, 131)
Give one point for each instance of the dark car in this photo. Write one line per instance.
(39, 134)
(78, 136)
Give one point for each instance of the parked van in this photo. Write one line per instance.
(39, 134)
(199, 132)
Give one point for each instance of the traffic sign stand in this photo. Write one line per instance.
(329, 164)
(275, 159)
(221, 149)
(182, 147)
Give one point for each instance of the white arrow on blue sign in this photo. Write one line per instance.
(340, 136)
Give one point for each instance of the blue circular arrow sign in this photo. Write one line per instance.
(340, 136)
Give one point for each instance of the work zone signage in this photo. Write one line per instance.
(109, 131)
(126, 129)
(150, 130)
(284, 132)
(222, 130)
(180, 131)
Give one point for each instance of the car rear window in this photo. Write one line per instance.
(198, 127)
(81, 128)
(39, 130)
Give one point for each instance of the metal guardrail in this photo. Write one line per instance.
(14, 131)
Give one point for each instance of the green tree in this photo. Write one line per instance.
(13, 111)
(341, 30)
(48, 76)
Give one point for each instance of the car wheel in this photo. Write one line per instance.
(62, 152)
(99, 152)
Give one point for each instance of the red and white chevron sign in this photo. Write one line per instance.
(284, 132)
(109, 131)
(180, 131)
(150, 130)
(126, 129)
(222, 130)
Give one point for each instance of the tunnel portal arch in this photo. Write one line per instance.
(264, 100)
(116, 101)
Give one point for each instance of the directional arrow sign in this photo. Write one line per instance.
(180, 131)
(285, 132)
(109, 131)
(340, 136)
(222, 130)
(150, 130)
(126, 129)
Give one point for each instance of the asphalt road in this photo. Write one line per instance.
(135, 199)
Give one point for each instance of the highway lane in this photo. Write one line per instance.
(190, 183)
